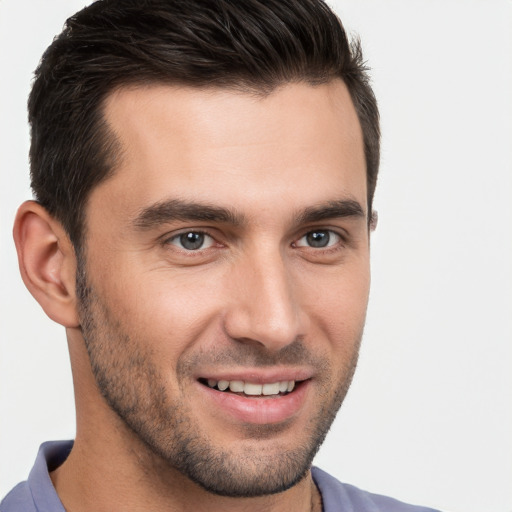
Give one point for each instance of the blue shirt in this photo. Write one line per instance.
(37, 494)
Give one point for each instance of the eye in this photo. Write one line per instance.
(192, 241)
(319, 239)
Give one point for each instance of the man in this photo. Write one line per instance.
(204, 175)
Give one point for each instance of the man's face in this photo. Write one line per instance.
(229, 249)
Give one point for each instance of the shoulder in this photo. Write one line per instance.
(38, 493)
(337, 496)
(18, 499)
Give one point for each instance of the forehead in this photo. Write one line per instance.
(236, 149)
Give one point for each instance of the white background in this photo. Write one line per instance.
(429, 416)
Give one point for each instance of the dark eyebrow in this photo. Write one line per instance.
(180, 210)
(332, 210)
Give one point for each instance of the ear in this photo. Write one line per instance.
(47, 262)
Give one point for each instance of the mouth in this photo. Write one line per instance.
(252, 389)
(260, 398)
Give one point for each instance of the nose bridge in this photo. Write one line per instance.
(266, 306)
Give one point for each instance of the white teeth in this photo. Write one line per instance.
(237, 386)
(253, 389)
(223, 385)
(271, 389)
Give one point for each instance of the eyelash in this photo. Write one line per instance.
(170, 240)
(340, 240)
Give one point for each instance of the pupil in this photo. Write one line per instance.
(192, 241)
(318, 238)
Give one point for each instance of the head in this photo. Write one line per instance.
(213, 166)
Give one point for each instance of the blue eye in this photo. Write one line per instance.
(319, 239)
(192, 240)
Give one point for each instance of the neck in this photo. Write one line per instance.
(99, 478)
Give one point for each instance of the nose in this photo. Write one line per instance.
(265, 306)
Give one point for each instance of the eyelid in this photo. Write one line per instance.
(332, 232)
(170, 239)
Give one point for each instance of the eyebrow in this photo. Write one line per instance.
(332, 210)
(180, 210)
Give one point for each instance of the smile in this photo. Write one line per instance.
(251, 388)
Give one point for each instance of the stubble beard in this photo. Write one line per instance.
(133, 387)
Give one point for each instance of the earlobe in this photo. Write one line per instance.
(47, 262)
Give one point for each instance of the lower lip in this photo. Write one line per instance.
(258, 410)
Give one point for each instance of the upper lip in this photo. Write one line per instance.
(259, 375)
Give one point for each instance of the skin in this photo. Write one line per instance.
(257, 301)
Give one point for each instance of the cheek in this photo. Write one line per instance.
(343, 288)
(169, 311)
(337, 305)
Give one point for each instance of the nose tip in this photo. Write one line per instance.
(266, 308)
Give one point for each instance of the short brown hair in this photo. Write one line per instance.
(253, 45)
